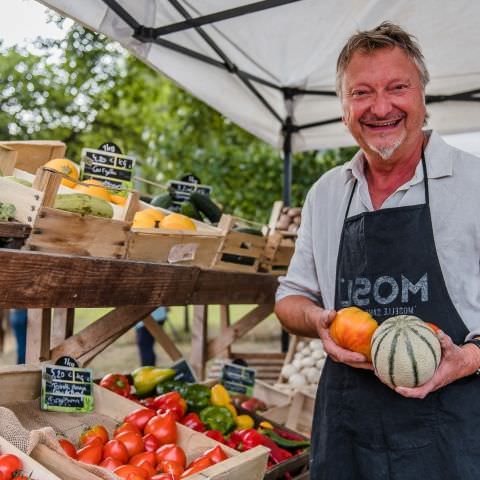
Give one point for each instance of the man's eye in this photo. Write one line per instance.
(358, 93)
(400, 87)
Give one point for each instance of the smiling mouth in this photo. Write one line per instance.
(382, 126)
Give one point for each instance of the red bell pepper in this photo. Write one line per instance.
(171, 402)
(251, 438)
(116, 383)
(192, 420)
(215, 435)
(148, 402)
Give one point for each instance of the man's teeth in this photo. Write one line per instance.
(388, 124)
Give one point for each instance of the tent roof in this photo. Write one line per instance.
(251, 60)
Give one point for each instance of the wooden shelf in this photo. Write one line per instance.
(40, 280)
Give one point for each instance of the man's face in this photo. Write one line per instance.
(383, 102)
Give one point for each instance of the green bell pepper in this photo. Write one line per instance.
(196, 396)
(171, 386)
(218, 418)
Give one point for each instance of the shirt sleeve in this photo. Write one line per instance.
(301, 278)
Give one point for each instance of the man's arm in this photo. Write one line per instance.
(302, 316)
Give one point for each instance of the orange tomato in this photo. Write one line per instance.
(352, 328)
(92, 433)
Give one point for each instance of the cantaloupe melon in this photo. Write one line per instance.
(405, 351)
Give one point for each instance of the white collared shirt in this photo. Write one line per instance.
(454, 186)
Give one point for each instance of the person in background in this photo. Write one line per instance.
(404, 211)
(18, 322)
(145, 340)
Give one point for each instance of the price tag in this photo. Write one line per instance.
(181, 191)
(182, 253)
(238, 379)
(67, 389)
(184, 371)
(112, 169)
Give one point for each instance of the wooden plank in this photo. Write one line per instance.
(48, 181)
(40, 280)
(158, 333)
(27, 200)
(198, 356)
(38, 335)
(224, 324)
(62, 325)
(101, 331)
(14, 230)
(238, 329)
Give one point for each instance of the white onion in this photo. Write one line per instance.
(316, 344)
(320, 363)
(318, 354)
(308, 362)
(300, 346)
(288, 370)
(313, 375)
(306, 351)
(297, 364)
(297, 380)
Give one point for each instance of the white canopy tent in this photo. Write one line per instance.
(269, 65)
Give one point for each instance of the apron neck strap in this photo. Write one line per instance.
(425, 181)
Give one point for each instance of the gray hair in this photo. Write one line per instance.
(386, 35)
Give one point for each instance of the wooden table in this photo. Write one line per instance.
(40, 282)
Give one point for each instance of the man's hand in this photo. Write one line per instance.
(322, 319)
(456, 362)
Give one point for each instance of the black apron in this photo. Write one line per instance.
(362, 430)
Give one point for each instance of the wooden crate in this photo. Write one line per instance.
(30, 466)
(31, 155)
(183, 247)
(238, 251)
(23, 382)
(57, 231)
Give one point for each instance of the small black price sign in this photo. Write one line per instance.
(67, 389)
(238, 379)
(181, 191)
(184, 371)
(112, 169)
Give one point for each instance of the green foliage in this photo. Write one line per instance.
(85, 90)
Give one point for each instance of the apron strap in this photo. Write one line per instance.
(350, 199)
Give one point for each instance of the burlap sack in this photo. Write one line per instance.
(24, 425)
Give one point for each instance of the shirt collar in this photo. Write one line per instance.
(438, 157)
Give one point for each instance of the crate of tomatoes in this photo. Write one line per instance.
(120, 439)
(232, 421)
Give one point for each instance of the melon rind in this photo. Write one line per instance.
(405, 351)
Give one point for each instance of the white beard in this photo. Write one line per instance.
(386, 151)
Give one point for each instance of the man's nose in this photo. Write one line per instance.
(381, 105)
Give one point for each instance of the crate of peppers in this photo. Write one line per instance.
(211, 410)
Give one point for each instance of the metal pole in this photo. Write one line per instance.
(287, 164)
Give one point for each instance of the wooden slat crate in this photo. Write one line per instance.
(57, 231)
(183, 247)
(23, 382)
(31, 155)
(238, 251)
(31, 467)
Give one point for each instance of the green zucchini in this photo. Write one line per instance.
(191, 211)
(163, 201)
(205, 205)
(249, 230)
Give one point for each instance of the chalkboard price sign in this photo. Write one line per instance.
(238, 379)
(184, 371)
(181, 191)
(112, 169)
(66, 389)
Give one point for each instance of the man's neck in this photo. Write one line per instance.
(385, 176)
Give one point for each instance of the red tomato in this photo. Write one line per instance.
(125, 471)
(116, 449)
(197, 465)
(68, 447)
(127, 427)
(173, 468)
(163, 427)
(172, 453)
(216, 454)
(150, 443)
(91, 453)
(139, 417)
(110, 463)
(91, 433)
(9, 464)
(132, 441)
(162, 476)
(142, 457)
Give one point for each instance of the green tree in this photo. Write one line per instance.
(85, 90)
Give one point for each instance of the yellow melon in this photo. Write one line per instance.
(94, 188)
(176, 221)
(65, 166)
(148, 218)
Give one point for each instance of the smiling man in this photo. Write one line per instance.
(394, 230)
